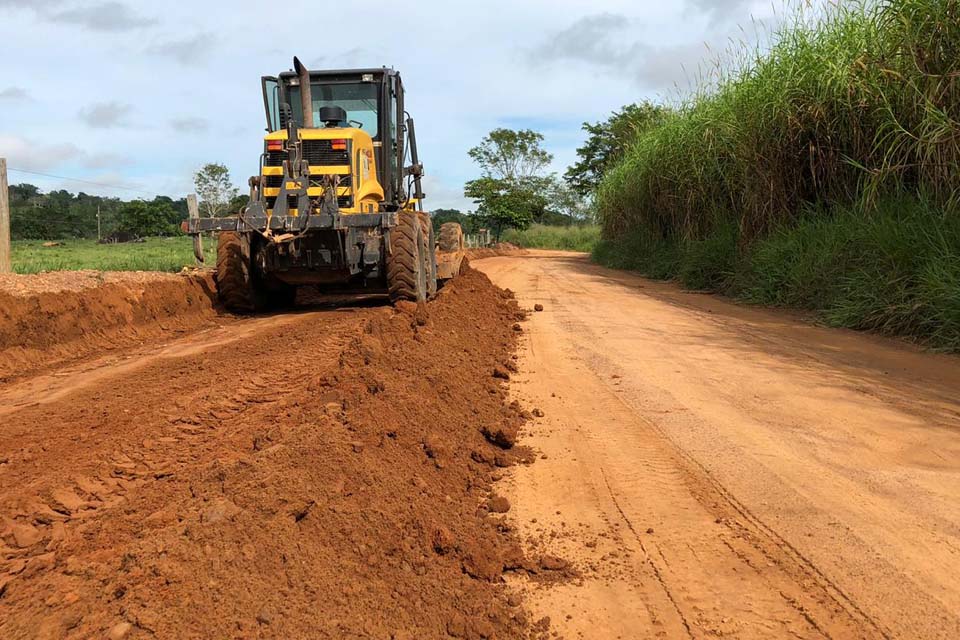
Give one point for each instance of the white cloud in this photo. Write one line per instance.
(32, 155)
(186, 50)
(106, 115)
(722, 10)
(190, 124)
(29, 4)
(104, 16)
(13, 94)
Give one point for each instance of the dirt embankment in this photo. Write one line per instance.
(55, 317)
(332, 480)
(499, 249)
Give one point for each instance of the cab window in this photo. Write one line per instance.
(271, 100)
(358, 99)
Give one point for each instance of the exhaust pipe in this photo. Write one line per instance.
(306, 97)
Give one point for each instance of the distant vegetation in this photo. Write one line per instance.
(567, 238)
(153, 254)
(514, 189)
(821, 173)
(60, 214)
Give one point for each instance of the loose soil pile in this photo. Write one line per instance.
(332, 480)
(55, 317)
(499, 249)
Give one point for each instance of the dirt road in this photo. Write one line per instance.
(717, 470)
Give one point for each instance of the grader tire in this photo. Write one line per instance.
(451, 237)
(406, 273)
(430, 255)
(235, 285)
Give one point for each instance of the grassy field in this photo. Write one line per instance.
(539, 236)
(156, 254)
(819, 173)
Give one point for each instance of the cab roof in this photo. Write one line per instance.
(386, 71)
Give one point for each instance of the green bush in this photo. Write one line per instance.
(541, 236)
(640, 251)
(895, 271)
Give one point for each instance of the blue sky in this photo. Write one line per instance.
(138, 95)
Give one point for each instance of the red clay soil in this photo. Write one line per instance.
(499, 249)
(55, 317)
(330, 480)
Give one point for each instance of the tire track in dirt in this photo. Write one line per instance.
(723, 568)
(675, 472)
(45, 388)
(653, 565)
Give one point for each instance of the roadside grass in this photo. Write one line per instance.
(540, 236)
(155, 254)
(819, 172)
(895, 271)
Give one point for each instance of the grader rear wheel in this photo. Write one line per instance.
(406, 267)
(239, 286)
(236, 285)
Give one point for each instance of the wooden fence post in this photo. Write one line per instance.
(5, 260)
(194, 210)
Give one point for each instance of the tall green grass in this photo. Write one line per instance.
(850, 113)
(568, 238)
(154, 254)
(896, 271)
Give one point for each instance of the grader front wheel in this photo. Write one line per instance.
(451, 257)
(451, 237)
(430, 254)
(406, 269)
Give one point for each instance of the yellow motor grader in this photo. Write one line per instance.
(337, 201)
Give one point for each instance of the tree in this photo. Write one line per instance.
(512, 190)
(238, 202)
(608, 143)
(142, 218)
(566, 206)
(466, 220)
(502, 204)
(215, 188)
(511, 155)
(22, 193)
(60, 214)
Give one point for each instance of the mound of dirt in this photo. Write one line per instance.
(55, 317)
(332, 481)
(499, 249)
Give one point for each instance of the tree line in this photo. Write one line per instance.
(59, 214)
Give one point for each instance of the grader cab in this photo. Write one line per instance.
(337, 201)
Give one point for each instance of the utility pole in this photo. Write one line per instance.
(98, 223)
(5, 266)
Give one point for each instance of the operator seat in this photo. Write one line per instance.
(333, 117)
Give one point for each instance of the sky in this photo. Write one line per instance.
(133, 97)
